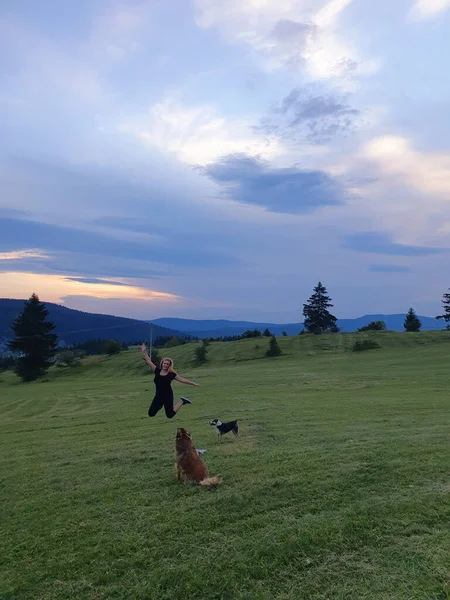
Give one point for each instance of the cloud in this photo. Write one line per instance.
(206, 237)
(312, 39)
(398, 189)
(20, 234)
(291, 190)
(426, 172)
(95, 280)
(330, 11)
(64, 191)
(379, 243)
(389, 269)
(306, 116)
(23, 254)
(289, 31)
(427, 9)
(290, 39)
(197, 134)
(78, 264)
(53, 288)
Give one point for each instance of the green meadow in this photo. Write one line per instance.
(338, 487)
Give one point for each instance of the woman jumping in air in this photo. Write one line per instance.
(164, 375)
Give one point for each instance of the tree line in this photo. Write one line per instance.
(35, 342)
(318, 318)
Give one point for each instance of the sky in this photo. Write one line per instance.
(218, 158)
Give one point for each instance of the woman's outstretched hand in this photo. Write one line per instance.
(143, 348)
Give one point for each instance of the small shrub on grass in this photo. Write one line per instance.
(65, 358)
(374, 326)
(362, 345)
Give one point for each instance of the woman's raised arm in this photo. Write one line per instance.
(147, 358)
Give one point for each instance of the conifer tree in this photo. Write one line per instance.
(446, 307)
(317, 317)
(34, 340)
(412, 322)
(274, 348)
(200, 354)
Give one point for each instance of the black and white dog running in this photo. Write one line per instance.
(223, 428)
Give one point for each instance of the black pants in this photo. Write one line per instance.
(160, 401)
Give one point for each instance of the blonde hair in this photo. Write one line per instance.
(170, 369)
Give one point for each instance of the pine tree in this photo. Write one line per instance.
(446, 307)
(274, 348)
(33, 340)
(266, 332)
(412, 322)
(317, 317)
(200, 354)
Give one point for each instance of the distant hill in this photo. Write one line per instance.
(393, 322)
(75, 326)
(220, 327)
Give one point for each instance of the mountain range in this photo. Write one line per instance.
(220, 328)
(74, 326)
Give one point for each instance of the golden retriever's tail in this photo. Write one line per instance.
(211, 481)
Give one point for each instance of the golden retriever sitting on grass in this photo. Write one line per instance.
(188, 465)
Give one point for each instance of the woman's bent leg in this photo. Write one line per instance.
(170, 409)
(155, 406)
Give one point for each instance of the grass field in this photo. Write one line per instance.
(337, 489)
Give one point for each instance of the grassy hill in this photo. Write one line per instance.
(337, 487)
(297, 348)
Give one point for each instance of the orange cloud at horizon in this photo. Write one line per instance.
(52, 288)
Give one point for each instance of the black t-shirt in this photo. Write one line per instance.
(163, 382)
